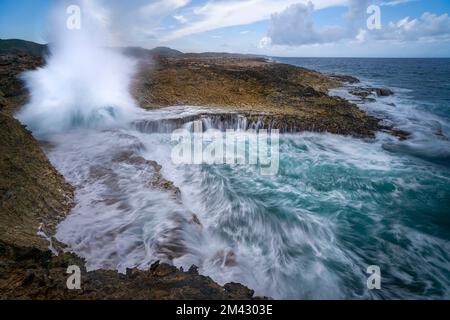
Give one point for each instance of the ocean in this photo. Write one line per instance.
(337, 205)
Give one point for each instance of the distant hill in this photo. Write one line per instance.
(165, 51)
(16, 46)
(139, 52)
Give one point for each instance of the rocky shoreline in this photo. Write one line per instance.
(35, 198)
(30, 273)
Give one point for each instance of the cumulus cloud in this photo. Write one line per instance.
(428, 26)
(295, 25)
(180, 18)
(265, 42)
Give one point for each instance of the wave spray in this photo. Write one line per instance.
(84, 83)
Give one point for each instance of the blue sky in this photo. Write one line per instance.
(409, 28)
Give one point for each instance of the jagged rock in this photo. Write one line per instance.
(195, 220)
(383, 92)
(29, 273)
(345, 78)
(157, 181)
(239, 289)
(366, 92)
(2, 101)
(193, 270)
(361, 92)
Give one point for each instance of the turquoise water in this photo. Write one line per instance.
(336, 206)
(339, 205)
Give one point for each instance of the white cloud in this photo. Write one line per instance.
(143, 22)
(295, 25)
(161, 7)
(139, 21)
(132, 22)
(265, 42)
(219, 14)
(394, 3)
(429, 26)
(180, 18)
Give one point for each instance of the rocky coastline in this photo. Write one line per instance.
(35, 198)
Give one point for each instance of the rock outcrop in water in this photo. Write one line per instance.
(365, 93)
(284, 95)
(344, 78)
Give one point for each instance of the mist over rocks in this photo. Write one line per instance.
(83, 83)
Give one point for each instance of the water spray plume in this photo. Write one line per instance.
(83, 84)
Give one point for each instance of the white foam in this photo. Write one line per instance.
(83, 83)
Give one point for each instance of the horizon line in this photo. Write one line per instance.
(262, 55)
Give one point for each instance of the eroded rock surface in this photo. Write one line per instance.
(288, 95)
(13, 93)
(32, 192)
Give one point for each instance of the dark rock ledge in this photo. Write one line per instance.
(31, 273)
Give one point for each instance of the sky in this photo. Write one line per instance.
(297, 28)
